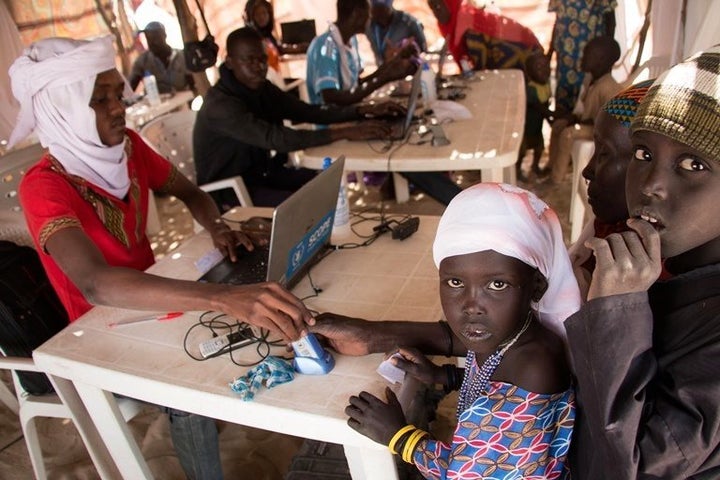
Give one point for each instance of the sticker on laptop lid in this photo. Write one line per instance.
(313, 240)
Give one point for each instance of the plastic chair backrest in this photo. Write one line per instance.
(171, 136)
(582, 151)
(650, 69)
(13, 166)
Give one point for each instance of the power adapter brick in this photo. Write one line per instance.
(404, 229)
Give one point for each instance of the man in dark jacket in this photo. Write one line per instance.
(239, 129)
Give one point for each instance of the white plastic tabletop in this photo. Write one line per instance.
(489, 141)
(390, 279)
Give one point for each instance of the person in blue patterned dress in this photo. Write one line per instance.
(576, 23)
(506, 286)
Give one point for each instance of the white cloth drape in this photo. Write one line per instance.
(11, 48)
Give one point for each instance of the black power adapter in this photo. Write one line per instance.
(404, 229)
(400, 230)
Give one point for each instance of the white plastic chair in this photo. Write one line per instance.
(649, 69)
(277, 79)
(30, 406)
(582, 151)
(13, 166)
(171, 136)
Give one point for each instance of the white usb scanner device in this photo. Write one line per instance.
(310, 357)
(390, 372)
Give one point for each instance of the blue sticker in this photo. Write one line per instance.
(313, 240)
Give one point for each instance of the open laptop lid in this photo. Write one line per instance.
(301, 31)
(441, 62)
(302, 225)
(412, 102)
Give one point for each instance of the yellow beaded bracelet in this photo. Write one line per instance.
(398, 435)
(411, 443)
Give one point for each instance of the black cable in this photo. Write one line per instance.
(262, 343)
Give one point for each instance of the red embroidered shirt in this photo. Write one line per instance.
(53, 200)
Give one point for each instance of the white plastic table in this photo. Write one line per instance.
(142, 112)
(388, 279)
(489, 141)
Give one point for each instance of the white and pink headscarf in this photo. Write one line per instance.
(53, 80)
(516, 223)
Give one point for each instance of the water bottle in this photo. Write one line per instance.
(341, 224)
(151, 89)
(427, 82)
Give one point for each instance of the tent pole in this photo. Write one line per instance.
(188, 28)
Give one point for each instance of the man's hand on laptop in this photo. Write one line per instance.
(367, 130)
(227, 240)
(268, 305)
(258, 229)
(382, 109)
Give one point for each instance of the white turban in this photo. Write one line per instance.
(516, 223)
(53, 80)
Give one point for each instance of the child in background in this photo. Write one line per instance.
(646, 352)
(598, 87)
(505, 285)
(537, 71)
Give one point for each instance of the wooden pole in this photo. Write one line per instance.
(109, 18)
(188, 28)
(643, 36)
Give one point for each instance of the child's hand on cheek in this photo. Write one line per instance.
(625, 262)
(374, 418)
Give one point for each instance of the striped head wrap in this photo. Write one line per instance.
(623, 106)
(684, 104)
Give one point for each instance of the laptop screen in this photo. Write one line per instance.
(302, 31)
(301, 227)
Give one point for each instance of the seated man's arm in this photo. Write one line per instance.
(398, 67)
(267, 305)
(234, 120)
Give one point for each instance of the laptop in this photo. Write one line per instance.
(301, 228)
(403, 131)
(302, 31)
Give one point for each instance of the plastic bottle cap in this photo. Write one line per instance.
(147, 73)
(326, 162)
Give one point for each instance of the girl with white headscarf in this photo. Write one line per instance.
(506, 285)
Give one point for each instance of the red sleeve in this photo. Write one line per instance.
(48, 201)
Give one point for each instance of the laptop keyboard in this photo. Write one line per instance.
(251, 267)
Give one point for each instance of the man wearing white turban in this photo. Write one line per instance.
(86, 204)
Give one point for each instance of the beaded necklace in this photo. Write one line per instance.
(471, 388)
